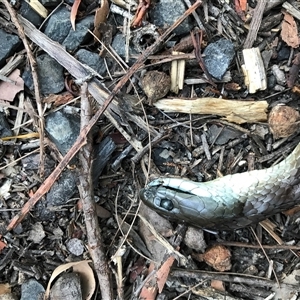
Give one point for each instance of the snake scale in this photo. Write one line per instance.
(229, 202)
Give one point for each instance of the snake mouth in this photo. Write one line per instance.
(147, 195)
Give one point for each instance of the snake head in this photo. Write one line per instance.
(176, 198)
(157, 198)
(190, 202)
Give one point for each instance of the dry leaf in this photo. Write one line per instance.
(85, 272)
(149, 290)
(291, 211)
(100, 17)
(289, 32)
(4, 288)
(74, 11)
(59, 100)
(9, 90)
(163, 272)
(218, 285)
(240, 8)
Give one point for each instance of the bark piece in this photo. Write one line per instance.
(236, 111)
(254, 70)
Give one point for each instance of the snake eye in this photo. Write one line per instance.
(166, 204)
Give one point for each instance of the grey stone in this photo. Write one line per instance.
(217, 57)
(166, 12)
(8, 45)
(62, 190)
(59, 25)
(50, 74)
(91, 59)
(67, 287)
(271, 81)
(63, 129)
(31, 15)
(75, 246)
(283, 53)
(76, 37)
(32, 290)
(118, 44)
(4, 126)
(37, 233)
(32, 162)
(59, 29)
(50, 3)
(221, 136)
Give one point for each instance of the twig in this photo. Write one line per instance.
(197, 40)
(228, 277)
(85, 188)
(255, 23)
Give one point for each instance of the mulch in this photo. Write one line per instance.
(156, 131)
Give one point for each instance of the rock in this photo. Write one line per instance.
(283, 121)
(62, 190)
(59, 29)
(165, 12)
(31, 15)
(4, 126)
(75, 246)
(91, 59)
(59, 25)
(63, 129)
(37, 233)
(9, 44)
(118, 44)
(217, 57)
(78, 36)
(194, 239)
(67, 287)
(221, 136)
(32, 290)
(50, 73)
(32, 163)
(50, 3)
(156, 85)
(283, 53)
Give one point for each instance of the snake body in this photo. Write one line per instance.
(229, 202)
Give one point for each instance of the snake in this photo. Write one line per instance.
(229, 202)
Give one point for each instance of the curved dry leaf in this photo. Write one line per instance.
(85, 272)
(74, 12)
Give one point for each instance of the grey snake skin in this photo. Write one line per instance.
(230, 202)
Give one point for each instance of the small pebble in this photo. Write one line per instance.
(75, 246)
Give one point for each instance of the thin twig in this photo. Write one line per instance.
(85, 188)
